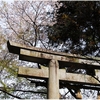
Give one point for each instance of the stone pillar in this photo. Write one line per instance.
(53, 82)
(78, 94)
(98, 96)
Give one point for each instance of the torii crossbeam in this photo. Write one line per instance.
(55, 60)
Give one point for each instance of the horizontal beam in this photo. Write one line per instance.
(64, 61)
(33, 72)
(78, 78)
(63, 76)
(14, 47)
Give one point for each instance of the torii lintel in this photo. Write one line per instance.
(54, 61)
(43, 56)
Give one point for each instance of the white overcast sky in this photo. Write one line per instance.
(26, 0)
(9, 1)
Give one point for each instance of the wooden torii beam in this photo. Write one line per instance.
(43, 56)
(43, 73)
(54, 60)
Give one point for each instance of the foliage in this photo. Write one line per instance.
(77, 27)
(26, 22)
(76, 30)
(23, 22)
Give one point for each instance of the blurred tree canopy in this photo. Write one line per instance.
(77, 27)
(71, 26)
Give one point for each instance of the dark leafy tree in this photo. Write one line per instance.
(77, 27)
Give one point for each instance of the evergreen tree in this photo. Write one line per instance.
(77, 27)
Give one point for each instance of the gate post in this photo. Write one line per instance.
(53, 84)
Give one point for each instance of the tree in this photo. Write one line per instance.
(76, 30)
(27, 20)
(77, 27)
(24, 22)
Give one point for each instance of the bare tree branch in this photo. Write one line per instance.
(10, 94)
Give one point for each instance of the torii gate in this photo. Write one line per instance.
(55, 60)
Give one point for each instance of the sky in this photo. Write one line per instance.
(27, 0)
(9, 1)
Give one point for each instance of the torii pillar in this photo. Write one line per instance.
(55, 74)
(53, 86)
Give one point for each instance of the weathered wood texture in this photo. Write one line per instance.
(79, 94)
(63, 76)
(98, 96)
(78, 78)
(97, 74)
(54, 74)
(15, 48)
(33, 72)
(44, 56)
(53, 82)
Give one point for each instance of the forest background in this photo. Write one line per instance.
(66, 26)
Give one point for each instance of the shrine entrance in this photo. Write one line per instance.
(55, 72)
